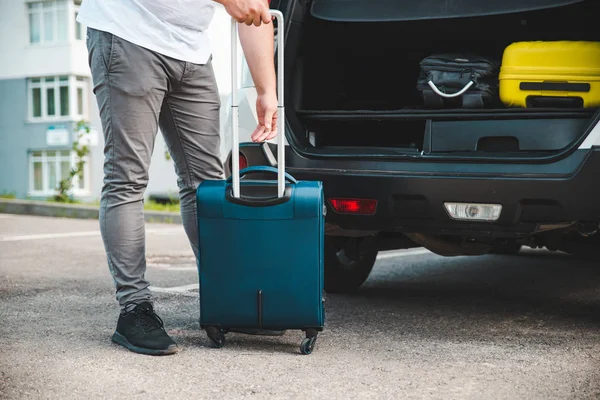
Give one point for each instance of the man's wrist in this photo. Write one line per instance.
(262, 90)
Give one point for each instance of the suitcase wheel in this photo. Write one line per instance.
(308, 344)
(216, 336)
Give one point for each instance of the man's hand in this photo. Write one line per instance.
(248, 11)
(266, 111)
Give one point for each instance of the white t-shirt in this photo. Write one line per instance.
(174, 28)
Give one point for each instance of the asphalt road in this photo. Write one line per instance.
(423, 327)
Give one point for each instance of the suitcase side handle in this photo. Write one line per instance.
(263, 168)
(235, 173)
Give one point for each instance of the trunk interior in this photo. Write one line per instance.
(355, 85)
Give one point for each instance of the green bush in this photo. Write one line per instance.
(7, 195)
(154, 206)
(65, 185)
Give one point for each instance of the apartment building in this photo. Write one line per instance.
(46, 88)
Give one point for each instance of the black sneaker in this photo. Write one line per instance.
(141, 331)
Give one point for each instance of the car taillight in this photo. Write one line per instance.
(354, 206)
(243, 162)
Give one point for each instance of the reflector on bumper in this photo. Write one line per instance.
(473, 211)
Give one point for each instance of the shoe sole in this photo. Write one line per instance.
(120, 339)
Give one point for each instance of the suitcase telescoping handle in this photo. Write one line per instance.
(280, 108)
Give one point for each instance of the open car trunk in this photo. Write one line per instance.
(356, 71)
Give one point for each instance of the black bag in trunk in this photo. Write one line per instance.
(458, 80)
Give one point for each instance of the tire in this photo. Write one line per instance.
(348, 263)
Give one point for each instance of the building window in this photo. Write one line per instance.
(47, 168)
(81, 90)
(79, 29)
(58, 97)
(48, 22)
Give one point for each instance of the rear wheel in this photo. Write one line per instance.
(348, 262)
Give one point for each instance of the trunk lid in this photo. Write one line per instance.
(410, 10)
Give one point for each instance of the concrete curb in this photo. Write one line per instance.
(62, 210)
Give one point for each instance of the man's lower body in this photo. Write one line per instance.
(139, 91)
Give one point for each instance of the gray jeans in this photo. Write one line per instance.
(138, 91)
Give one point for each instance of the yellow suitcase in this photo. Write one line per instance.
(546, 74)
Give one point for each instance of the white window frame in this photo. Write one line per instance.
(45, 159)
(73, 83)
(55, 7)
(74, 13)
(78, 82)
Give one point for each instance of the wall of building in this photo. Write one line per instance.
(21, 58)
(13, 156)
(19, 136)
(20, 61)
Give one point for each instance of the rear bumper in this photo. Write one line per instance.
(411, 195)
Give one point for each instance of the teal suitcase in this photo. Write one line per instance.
(261, 244)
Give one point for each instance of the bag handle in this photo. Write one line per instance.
(235, 160)
(263, 168)
(439, 93)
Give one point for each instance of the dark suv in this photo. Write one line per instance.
(397, 174)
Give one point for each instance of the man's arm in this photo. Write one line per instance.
(258, 46)
(257, 43)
